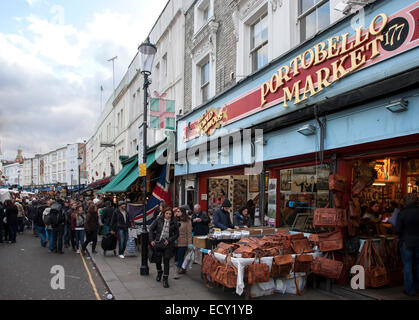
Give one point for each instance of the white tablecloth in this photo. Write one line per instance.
(241, 263)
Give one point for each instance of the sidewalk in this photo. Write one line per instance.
(123, 278)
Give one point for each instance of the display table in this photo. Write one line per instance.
(241, 263)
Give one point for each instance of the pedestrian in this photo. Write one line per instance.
(57, 223)
(11, 218)
(67, 224)
(48, 228)
(164, 231)
(20, 217)
(160, 209)
(200, 221)
(106, 217)
(78, 218)
(222, 217)
(71, 237)
(407, 227)
(91, 226)
(32, 211)
(120, 224)
(39, 223)
(184, 239)
(242, 218)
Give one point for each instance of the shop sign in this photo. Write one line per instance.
(211, 121)
(312, 71)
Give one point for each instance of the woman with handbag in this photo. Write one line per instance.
(164, 231)
(184, 239)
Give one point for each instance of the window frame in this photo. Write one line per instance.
(206, 85)
(302, 15)
(255, 49)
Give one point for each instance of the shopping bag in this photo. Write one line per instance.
(189, 259)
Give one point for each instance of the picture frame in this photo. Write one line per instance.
(300, 222)
(254, 183)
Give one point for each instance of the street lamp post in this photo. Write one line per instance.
(147, 51)
(79, 159)
(71, 181)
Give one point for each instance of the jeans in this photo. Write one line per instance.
(57, 238)
(407, 257)
(180, 253)
(91, 236)
(123, 238)
(42, 235)
(79, 235)
(106, 229)
(20, 225)
(13, 231)
(67, 234)
(50, 239)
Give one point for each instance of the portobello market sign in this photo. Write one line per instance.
(317, 68)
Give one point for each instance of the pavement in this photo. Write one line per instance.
(123, 278)
(25, 273)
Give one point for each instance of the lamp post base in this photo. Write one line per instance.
(144, 270)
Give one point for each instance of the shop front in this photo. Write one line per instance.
(342, 108)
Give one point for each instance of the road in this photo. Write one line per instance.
(25, 273)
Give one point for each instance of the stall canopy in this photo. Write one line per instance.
(129, 173)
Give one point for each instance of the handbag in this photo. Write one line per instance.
(281, 266)
(337, 182)
(332, 241)
(301, 246)
(330, 217)
(328, 268)
(303, 263)
(245, 251)
(375, 271)
(226, 275)
(257, 272)
(152, 255)
(314, 239)
(209, 264)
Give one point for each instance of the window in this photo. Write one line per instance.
(164, 67)
(205, 82)
(204, 10)
(206, 15)
(259, 43)
(314, 16)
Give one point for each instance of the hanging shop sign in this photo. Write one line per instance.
(318, 67)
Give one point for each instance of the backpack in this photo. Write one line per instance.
(55, 217)
(47, 219)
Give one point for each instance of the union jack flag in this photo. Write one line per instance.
(161, 192)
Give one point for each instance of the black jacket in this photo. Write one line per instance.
(407, 226)
(38, 221)
(222, 219)
(200, 228)
(118, 222)
(241, 221)
(106, 215)
(11, 214)
(156, 229)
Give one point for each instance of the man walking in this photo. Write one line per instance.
(57, 223)
(120, 224)
(106, 217)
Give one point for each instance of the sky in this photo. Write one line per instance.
(53, 61)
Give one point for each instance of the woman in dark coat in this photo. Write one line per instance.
(91, 226)
(11, 216)
(163, 233)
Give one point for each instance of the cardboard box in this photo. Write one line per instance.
(201, 242)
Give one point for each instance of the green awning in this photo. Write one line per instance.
(129, 173)
(126, 169)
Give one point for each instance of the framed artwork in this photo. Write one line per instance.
(300, 222)
(254, 183)
(239, 194)
(286, 176)
(217, 192)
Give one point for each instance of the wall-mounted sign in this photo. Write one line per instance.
(211, 121)
(323, 64)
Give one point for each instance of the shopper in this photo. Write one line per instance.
(2, 216)
(78, 218)
(91, 226)
(39, 223)
(160, 209)
(184, 239)
(242, 218)
(407, 227)
(11, 213)
(120, 224)
(20, 217)
(164, 231)
(57, 223)
(222, 217)
(200, 221)
(48, 228)
(71, 236)
(106, 217)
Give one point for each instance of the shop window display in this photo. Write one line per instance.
(302, 190)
